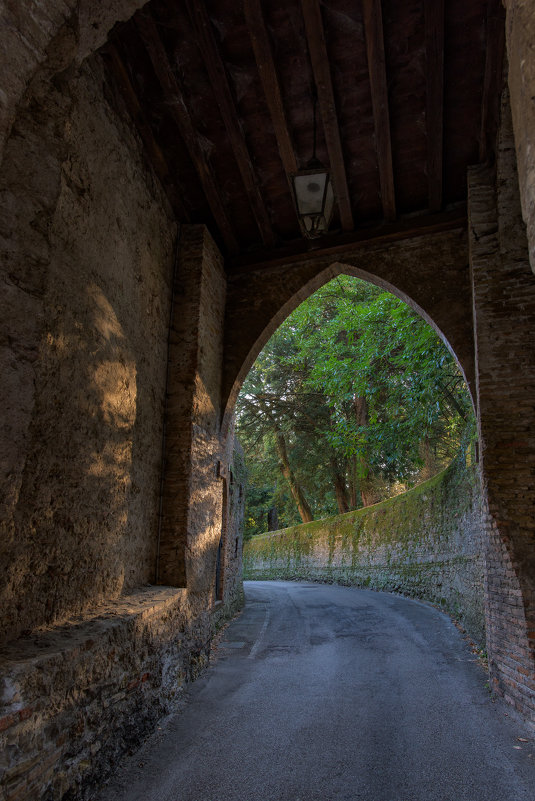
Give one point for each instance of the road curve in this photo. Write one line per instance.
(326, 693)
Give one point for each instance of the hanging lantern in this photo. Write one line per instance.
(313, 192)
(314, 199)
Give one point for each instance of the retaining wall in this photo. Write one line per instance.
(426, 543)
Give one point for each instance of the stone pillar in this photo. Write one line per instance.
(503, 289)
(192, 487)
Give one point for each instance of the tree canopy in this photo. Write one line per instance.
(353, 397)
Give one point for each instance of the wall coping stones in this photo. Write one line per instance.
(82, 629)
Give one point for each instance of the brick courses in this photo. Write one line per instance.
(504, 313)
(75, 696)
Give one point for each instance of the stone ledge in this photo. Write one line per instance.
(75, 696)
(79, 629)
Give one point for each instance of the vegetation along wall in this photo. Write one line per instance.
(426, 543)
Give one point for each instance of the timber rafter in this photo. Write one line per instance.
(434, 39)
(225, 101)
(221, 95)
(268, 75)
(373, 24)
(322, 76)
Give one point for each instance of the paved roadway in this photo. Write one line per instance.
(325, 693)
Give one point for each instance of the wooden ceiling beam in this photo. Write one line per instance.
(373, 26)
(218, 77)
(177, 107)
(155, 157)
(434, 41)
(268, 75)
(336, 244)
(492, 82)
(322, 75)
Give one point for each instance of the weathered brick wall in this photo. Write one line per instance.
(87, 252)
(504, 318)
(233, 515)
(426, 543)
(202, 508)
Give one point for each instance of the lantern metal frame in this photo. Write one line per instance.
(314, 223)
(314, 199)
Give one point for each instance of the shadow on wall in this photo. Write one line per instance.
(81, 524)
(88, 441)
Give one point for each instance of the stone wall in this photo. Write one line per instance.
(46, 38)
(88, 247)
(426, 543)
(93, 655)
(88, 253)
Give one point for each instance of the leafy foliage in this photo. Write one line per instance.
(353, 394)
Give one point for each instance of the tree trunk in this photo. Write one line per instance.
(339, 488)
(353, 483)
(295, 488)
(427, 454)
(361, 411)
(273, 519)
(367, 492)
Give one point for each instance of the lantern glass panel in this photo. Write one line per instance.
(309, 192)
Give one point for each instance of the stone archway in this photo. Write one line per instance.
(479, 293)
(430, 273)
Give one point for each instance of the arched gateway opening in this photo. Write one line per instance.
(446, 297)
(353, 401)
(356, 270)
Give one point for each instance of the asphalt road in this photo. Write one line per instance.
(325, 693)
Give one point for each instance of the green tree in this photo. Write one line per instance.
(353, 393)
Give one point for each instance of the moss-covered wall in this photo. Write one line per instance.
(426, 543)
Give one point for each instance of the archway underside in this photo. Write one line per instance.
(430, 273)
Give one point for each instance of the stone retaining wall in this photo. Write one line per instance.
(426, 543)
